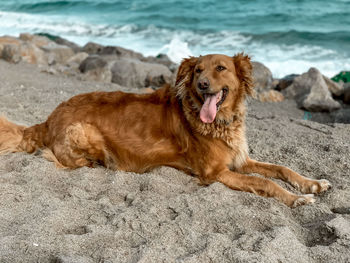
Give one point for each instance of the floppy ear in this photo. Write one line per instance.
(184, 75)
(244, 72)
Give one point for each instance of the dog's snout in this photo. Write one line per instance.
(203, 84)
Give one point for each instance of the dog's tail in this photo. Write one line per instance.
(17, 138)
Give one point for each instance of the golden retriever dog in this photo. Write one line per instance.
(197, 126)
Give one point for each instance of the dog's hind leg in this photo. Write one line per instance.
(305, 185)
(79, 144)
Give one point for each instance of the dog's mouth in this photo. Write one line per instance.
(211, 105)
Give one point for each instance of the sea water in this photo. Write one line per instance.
(287, 36)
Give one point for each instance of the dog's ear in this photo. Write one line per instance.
(244, 72)
(184, 75)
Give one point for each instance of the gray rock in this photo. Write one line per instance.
(57, 39)
(97, 49)
(7, 40)
(92, 48)
(286, 81)
(96, 68)
(77, 59)
(65, 42)
(37, 40)
(334, 87)
(311, 92)
(57, 53)
(120, 52)
(100, 74)
(92, 62)
(161, 59)
(262, 77)
(11, 53)
(26, 48)
(319, 99)
(347, 93)
(31, 53)
(134, 73)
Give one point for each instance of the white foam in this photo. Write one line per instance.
(283, 68)
(283, 60)
(176, 50)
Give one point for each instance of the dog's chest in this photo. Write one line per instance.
(237, 148)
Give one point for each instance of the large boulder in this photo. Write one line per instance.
(77, 59)
(92, 62)
(33, 49)
(7, 40)
(39, 41)
(262, 77)
(161, 59)
(11, 53)
(286, 81)
(32, 54)
(23, 51)
(335, 88)
(120, 52)
(65, 42)
(311, 92)
(92, 48)
(37, 38)
(130, 72)
(115, 51)
(57, 53)
(10, 49)
(39, 49)
(95, 68)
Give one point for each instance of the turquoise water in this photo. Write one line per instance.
(287, 36)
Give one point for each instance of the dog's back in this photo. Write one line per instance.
(132, 132)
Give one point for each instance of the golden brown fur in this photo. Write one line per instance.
(134, 132)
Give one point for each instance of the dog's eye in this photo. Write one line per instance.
(220, 68)
(198, 70)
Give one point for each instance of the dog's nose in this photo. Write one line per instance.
(203, 84)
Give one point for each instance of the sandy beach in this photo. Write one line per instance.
(99, 215)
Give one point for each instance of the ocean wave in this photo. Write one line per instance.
(45, 6)
(292, 37)
(56, 6)
(282, 57)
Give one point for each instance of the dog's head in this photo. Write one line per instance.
(215, 84)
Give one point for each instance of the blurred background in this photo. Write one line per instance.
(287, 36)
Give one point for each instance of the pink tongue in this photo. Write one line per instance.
(208, 110)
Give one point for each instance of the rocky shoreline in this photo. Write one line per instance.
(326, 99)
(99, 215)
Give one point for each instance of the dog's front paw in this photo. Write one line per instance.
(303, 200)
(315, 186)
(322, 185)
